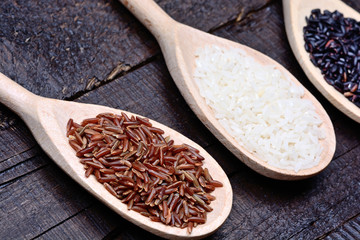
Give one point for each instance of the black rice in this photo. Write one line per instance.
(333, 42)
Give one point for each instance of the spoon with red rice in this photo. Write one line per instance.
(48, 120)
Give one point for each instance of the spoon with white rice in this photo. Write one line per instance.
(251, 103)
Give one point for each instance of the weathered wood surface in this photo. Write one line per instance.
(97, 52)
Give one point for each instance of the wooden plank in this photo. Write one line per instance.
(265, 209)
(94, 222)
(209, 15)
(334, 219)
(67, 48)
(15, 137)
(21, 165)
(350, 230)
(38, 201)
(16, 159)
(55, 51)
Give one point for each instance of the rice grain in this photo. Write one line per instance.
(144, 170)
(260, 107)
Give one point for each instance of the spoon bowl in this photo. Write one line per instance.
(179, 43)
(47, 119)
(295, 12)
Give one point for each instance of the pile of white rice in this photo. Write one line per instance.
(260, 107)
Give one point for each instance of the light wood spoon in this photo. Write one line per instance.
(178, 43)
(47, 119)
(295, 12)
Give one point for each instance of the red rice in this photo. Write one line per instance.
(136, 164)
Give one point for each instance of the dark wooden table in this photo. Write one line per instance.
(95, 51)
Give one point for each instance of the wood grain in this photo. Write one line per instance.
(63, 47)
(259, 201)
(43, 198)
(97, 215)
(349, 230)
(263, 204)
(73, 42)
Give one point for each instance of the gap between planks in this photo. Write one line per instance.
(240, 17)
(157, 55)
(343, 224)
(61, 222)
(329, 232)
(13, 180)
(120, 74)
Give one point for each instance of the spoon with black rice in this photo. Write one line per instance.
(325, 38)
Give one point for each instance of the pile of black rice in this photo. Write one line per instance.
(333, 42)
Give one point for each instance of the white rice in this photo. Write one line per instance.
(260, 107)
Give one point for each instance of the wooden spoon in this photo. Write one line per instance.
(295, 12)
(178, 43)
(47, 119)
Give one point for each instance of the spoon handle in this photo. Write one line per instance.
(150, 15)
(17, 98)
